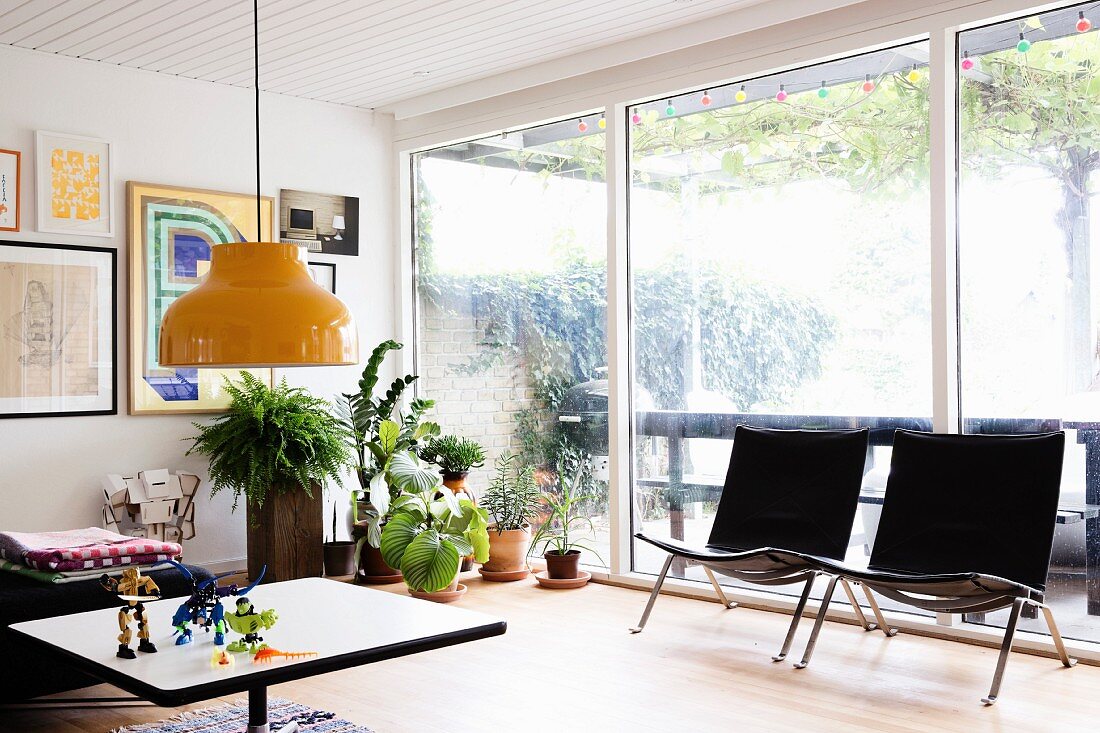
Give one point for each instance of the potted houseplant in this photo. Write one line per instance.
(557, 536)
(455, 457)
(377, 431)
(339, 555)
(512, 499)
(276, 447)
(429, 533)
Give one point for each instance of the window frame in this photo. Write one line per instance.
(831, 35)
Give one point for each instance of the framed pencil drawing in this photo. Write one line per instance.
(57, 327)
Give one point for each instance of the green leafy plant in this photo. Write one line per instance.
(271, 439)
(453, 454)
(377, 432)
(513, 497)
(429, 534)
(558, 533)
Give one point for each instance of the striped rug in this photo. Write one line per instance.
(233, 718)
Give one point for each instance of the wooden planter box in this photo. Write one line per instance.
(286, 534)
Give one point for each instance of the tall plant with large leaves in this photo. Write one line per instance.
(431, 531)
(381, 436)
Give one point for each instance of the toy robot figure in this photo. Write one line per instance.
(247, 621)
(204, 608)
(128, 588)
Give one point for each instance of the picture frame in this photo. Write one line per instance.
(324, 274)
(170, 232)
(73, 176)
(11, 176)
(60, 342)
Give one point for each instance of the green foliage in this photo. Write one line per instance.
(453, 454)
(558, 533)
(377, 432)
(271, 439)
(429, 534)
(513, 496)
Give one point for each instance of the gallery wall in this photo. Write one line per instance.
(180, 132)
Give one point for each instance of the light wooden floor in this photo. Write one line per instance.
(568, 664)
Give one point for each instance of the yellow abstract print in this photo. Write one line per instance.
(74, 184)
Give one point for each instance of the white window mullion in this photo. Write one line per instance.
(619, 413)
(943, 82)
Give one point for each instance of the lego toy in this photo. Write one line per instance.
(155, 504)
(129, 588)
(204, 608)
(268, 655)
(221, 659)
(249, 622)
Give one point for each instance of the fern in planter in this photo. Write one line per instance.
(271, 439)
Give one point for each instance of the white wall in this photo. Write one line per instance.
(181, 132)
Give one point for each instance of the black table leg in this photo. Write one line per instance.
(257, 710)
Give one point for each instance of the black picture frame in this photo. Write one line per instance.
(108, 320)
(331, 266)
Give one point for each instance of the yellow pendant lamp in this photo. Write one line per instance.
(257, 306)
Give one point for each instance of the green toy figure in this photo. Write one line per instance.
(245, 620)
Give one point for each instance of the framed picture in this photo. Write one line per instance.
(57, 327)
(9, 190)
(73, 184)
(327, 223)
(171, 231)
(324, 274)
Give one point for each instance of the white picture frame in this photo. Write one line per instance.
(82, 200)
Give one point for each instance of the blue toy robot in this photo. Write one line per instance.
(204, 608)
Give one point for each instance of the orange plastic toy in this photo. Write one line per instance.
(269, 655)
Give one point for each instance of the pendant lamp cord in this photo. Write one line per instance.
(256, 67)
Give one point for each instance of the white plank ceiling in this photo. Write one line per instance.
(363, 53)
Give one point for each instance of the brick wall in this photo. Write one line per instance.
(481, 406)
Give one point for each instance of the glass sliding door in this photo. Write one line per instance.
(510, 246)
(1029, 297)
(779, 250)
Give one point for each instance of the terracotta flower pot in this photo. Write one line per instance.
(456, 482)
(508, 550)
(373, 570)
(339, 558)
(563, 567)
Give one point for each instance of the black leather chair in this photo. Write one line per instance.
(789, 496)
(967, 526)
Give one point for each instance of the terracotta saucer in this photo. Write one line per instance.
(547, 582)
(379, 579)
(442, 596)
(499, 576)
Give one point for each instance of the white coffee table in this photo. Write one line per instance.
(347, 625)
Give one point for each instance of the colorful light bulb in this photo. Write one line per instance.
(967, 63)
(781, 95)
(636, 118)
(706, 100)
(868, 85)
(823, 91)
(1024, 45)
(582, 126)
(1083, 24)
(670, 110)
(740, 96)
(913, 76)
(602, 124)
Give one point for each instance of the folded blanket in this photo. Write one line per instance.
(77, 549)
(45, 576)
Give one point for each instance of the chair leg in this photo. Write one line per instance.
(867, 626)
(1006, 648)
(818, 622)
(1059, 645)
(885, 627)
(653, 597)
(798, 611)
(718, 589)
